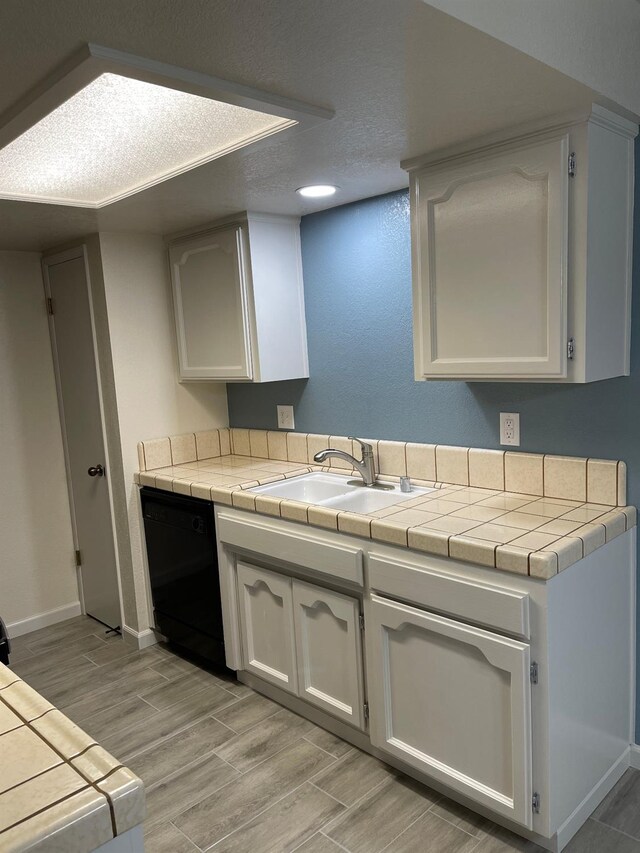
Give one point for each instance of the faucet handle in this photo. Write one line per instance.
(366, 448)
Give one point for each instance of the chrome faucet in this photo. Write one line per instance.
(364, 466)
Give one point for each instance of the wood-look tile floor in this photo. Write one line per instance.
(228, 770)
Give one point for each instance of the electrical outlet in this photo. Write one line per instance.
(510, 428)
(285, 417)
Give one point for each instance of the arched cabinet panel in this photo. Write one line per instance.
(453, 701)
(266, 622)
(329, 653)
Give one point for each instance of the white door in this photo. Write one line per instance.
(210, 299)
(490, 264)
(266, 626)
(452, 701)
(329, 651)
(66, 283)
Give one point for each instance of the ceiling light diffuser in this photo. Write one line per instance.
(116, 124)
(317, 190)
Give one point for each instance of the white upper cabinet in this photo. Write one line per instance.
(239, 301)
(522, 255)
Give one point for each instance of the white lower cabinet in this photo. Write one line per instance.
(453, 701)
(510, 695)
(266, 626)
(329, 652)
(304, 639)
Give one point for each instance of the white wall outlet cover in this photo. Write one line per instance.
(510, 428)
(285, 417)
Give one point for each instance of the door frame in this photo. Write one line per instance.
(52, 259)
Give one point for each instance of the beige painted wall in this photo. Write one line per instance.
(150, 400)
(592, 41)
(37, 572)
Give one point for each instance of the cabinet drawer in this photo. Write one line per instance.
(471, 600)
(342, 561)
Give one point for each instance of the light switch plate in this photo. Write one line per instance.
(510, 428)
(285, 417)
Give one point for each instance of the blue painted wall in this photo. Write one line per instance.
(357, 276)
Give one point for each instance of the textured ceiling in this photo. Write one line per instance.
(402, 78)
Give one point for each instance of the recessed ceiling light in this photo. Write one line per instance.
(116, 124)
(317, 190)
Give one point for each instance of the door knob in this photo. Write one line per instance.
(97, 471)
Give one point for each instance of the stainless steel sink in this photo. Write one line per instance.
(338, 491)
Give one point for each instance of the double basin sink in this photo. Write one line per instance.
(339, 492)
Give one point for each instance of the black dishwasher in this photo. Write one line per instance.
(183, 570)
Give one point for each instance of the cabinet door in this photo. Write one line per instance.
(329, 651)
(490, 264)
(211, 306)
(452, 701)
(266, 624)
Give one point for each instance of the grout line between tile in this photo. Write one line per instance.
(408, 827)
(330, 754)
(348, 808)
(57, 803)
(335, 799)
(250, 728)
(614, 828)
(186, 767)
(31, 778)
(177, 828)
(66, 761)
(450, 822)
(253, 816)
(337, 843)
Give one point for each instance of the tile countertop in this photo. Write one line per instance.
(514, 532)
(58, 788)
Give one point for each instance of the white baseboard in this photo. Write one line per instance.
(139, 639)
(634, 756)
(43, 620)
(593, 799)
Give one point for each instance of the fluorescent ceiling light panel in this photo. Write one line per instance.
(117, 136)
(120, 124)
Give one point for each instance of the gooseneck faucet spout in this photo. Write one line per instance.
(364, 466)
